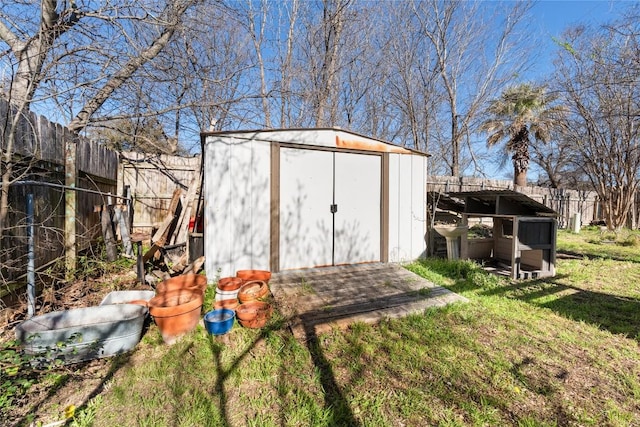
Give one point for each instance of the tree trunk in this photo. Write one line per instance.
(520, 178)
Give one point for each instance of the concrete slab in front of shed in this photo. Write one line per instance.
(319, 299)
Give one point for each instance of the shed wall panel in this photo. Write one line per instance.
(217, 211)
(418, 207)
(250, 205)
(236, 206)
(405, 209)
(395, 252)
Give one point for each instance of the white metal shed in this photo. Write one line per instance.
(297, 198)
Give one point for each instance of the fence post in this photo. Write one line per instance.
(70, 203)
(31, 260)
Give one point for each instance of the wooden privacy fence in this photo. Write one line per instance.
(56, 166)
(152, 180)
(565, 202)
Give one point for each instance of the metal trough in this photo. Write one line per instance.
(125, 297)
(82, 333)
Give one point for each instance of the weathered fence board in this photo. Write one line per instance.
(95, 160)
(39, 153)
(152, 180)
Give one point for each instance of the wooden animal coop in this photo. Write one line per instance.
(521, 241)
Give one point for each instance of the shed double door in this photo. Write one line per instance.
(330, 208)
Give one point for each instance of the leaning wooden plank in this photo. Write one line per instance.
(124, 230)
(107, 234)
(160, 237)
(180, 264)
(183, 224)
(150, 253)
(162, 233)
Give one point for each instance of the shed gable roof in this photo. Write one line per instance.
(323, 137)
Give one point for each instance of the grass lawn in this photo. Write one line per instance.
(557, 352)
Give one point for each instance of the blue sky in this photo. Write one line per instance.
(552, 17)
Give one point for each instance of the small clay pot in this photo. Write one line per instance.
(253, 309)
(183, 281)
(228, 284)
(253, 290)
(231, 304)
(249, 275)
(256, 323)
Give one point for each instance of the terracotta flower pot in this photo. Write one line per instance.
(253, 290)
(256, 323)
(249, 275)
(183, 281)
(176, 312)
(253, 309)
(231, 304)
(257, 314)
(228, 284)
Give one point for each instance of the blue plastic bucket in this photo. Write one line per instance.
(220, 321)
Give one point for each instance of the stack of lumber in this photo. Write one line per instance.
(169, 242)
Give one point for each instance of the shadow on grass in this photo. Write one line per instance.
(564, 254)
(341, 413)
(616, 314)
(216, 347)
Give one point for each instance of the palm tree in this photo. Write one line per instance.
(521, 111)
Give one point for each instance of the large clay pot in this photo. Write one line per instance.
(249, 275)
(183, 281)
(176, 312)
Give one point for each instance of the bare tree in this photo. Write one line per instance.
(598, 71)
(412, 88)
(477, 48)
(75, 55)
(321, 54)
(555, 161)
(287, 18)
(200, 81)
(254, 17)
